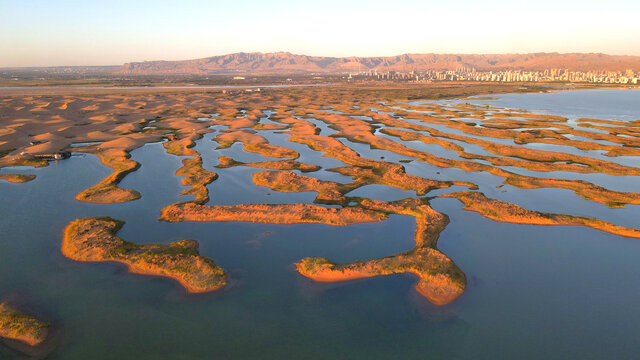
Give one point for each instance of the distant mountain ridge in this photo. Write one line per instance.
(284, 62)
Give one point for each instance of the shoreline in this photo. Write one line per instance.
(94, 240)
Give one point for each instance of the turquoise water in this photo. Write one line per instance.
(533, 291)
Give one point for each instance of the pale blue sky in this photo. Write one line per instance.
(69, 32)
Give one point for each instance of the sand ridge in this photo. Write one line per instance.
(377, 117)
(94, 239)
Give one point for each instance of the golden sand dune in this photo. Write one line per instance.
(94, 239)
(440, 280)
(254, 143)
(507, 212)
(97, 135)
(226, 162)
(194, 174)
(17, 178)
(46, 136)
(18, 326)
(107, 190)
(263, 126)
(270, 213)
(125, 128)
(196, 177)
(41, 107)
(47, 147)
(329, 192)
(376, 116)
(537, 160)
(584, 189)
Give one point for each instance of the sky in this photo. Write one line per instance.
(96, 32)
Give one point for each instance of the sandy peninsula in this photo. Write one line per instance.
(507, 212)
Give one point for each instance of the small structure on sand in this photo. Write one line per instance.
(53, 156)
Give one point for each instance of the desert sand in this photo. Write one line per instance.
(473, 138)
(94, 239)
(18, 326)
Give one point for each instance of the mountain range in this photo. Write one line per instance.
(286, 63)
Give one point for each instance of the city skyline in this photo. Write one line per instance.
(471, 74)
(68, 33)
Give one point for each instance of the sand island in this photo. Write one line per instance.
(15, 325)
(372, 135)
(17, 178)
(94, 240)
(440, 280)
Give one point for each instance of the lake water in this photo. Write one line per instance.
(533, 291)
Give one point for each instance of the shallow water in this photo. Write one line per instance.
(533, 291)
(598, 104)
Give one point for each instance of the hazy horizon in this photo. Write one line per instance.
(74, 33)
